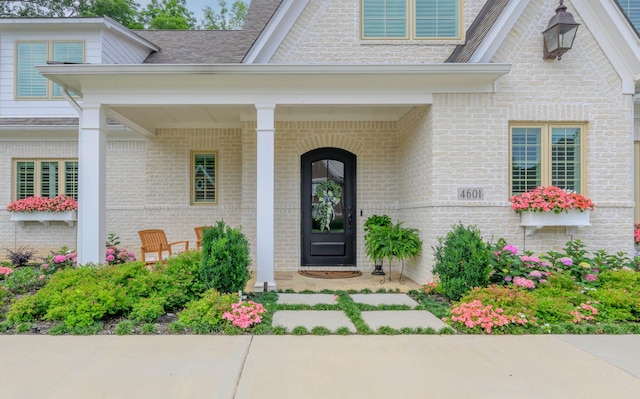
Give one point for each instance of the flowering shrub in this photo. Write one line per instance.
(584, 312)
(62, 259)
(636, 233)
(520, 270)
(429, 287)
(245, 314)
(118, 256)
(550, 199)
(60, 203)
(474, 314)
(5, 271)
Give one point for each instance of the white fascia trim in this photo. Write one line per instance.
(147, 69)
(110, 24)
(499, 31)
(615, 36)
(274, 33)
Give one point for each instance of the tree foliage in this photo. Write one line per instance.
(167, 14)
(225, 19)
(158, 14)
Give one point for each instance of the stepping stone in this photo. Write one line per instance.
(306, 299)
(384, 299)
(398, 319)
(331, 319)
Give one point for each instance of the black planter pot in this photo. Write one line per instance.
(378, 270)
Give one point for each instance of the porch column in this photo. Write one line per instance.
(92, 166)
(265, 196)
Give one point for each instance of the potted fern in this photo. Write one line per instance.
(372, 242)
(392, 241)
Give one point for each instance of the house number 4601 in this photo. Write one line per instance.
(470, 193)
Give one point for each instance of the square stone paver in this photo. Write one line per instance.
(398, 319)
(331, 319)
(306, 299)
(384, 299)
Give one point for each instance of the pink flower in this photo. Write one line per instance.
(110, 251)
(511, 249)
(523, 282)
(5, 271)
(590, 277)
(59, 259)
(111, 258)
(566, 261)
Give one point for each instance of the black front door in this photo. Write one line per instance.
(328, 208)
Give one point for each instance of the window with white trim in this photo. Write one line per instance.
(547, 154)
(411, 19)
(204, 177)
(45, 178)
(29, 83)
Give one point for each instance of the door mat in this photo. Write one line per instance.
(329, 274)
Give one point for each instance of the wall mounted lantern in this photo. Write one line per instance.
(559, 36)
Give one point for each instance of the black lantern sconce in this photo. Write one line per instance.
(559, 36)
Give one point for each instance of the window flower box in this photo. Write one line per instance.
(552, 206)
(44, 210)
(571, 219)
(69, 217)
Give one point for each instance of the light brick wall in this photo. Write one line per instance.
(329, 32)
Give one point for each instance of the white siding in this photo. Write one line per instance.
(116, 49)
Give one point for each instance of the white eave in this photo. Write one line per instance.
(616, 37)
(270, 79)
(46, 24)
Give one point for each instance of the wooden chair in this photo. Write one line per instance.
(155, 247)
(199, 231)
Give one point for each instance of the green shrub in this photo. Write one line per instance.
(462, 261)
(149, 329)
(5, 326)
(177, 327)
(78, 297)
(126, 327)
(554, 310)
(207, 312)
(225, 259)
(178, 280)
(147, 310)
(59, 329)
(24, 279)
(22, 328)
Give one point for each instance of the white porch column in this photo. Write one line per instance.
(265, 196)
(92, 178)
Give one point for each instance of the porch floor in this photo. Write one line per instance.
(293, 280)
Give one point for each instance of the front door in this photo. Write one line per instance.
(328, 208)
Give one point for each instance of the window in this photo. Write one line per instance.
(632, 9)
(29, 83)
(46, 178)
(204, 178)
(410, 19)
(547, 154)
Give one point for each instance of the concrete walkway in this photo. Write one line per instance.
(243, 367)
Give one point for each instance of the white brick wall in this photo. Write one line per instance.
(409, 169)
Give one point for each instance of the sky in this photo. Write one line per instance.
(195, 6)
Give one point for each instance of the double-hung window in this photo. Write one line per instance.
(204, 177)
(411, 19)
(46, 178)
(29, 83)
(547, 154)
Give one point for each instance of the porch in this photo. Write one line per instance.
(294, 281)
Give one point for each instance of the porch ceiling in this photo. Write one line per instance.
(152, 117)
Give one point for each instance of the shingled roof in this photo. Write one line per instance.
(210, 46)
(478, 30)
